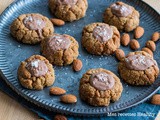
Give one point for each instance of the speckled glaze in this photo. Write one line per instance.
(12, 53)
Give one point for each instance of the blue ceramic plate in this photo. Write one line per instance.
(13, 52)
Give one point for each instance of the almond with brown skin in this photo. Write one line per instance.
(151, 45)
(60, 117)
(69, 98)
(57, 22)
(57, 91)
(125, 39)
(147, 50)
(155, 36)
(155, 99)
(134, 44)
(119, 54)
(77, 65)
(138, 32)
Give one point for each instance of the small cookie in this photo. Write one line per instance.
(31, 28)
(100, 38)
(68, 10)
(138, 68)
(123, 16)
(60, 49)
(36, 72)
(99, 86)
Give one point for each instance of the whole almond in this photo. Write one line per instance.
(151, 45)
(155, 99)
(147, 50)
(119, 54)
(57, 91)
(57, 22)
(134, 44)
(77, 65)
(69, 98)
(60, 117)
(138, 32)
(155, 36)
(125, 39)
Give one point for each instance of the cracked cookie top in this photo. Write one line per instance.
(31, 28)
(102, 81)
(36, 72)
(139, 62)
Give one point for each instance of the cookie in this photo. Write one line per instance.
(31, 28)
(99, 86)
(68, 10)
(123, 16)
(100, 38)
(138, 68)
(36, 72)
(60, 49)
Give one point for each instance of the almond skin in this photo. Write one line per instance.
(57, 91)
(151, 45)
(57, 22)
(119, 54)
(134, 44)
(60, 117)
(138, 32)
(77, 65)
(125, 39)
(147, 50)
(155, 36)
(69, 98)
(155, 99)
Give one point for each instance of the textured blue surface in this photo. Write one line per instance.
(12, 53)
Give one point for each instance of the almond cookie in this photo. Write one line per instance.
(99, 86)
(60, 49)
(36, 72)
(138, 68)
(31, 28)
(123, 16)
(68, 10)
(100, 38)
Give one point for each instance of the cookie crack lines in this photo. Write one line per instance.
(72, 11)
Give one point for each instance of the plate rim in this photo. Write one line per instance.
(55, 109)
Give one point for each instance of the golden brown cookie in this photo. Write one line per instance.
(31, 28)
(123, 16)
(138, 68)
(36, 72)
(60, 49)
(99, 86)
(100, 38)
(68, 10)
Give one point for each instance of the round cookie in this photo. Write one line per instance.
(31, 28)
(68, 10)
(36, 72)
(123, 16)
(138, 68)
(60, 49)
(100, 38)
(99, 86)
